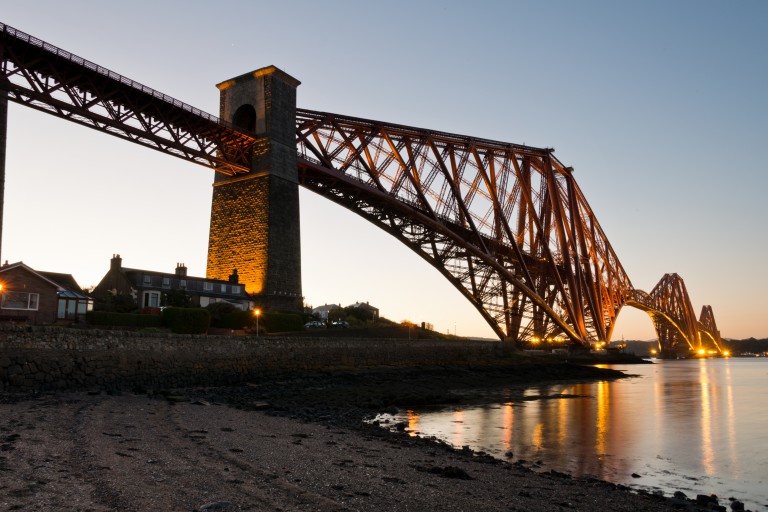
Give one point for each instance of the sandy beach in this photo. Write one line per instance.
(273, 445)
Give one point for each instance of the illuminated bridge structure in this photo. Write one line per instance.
(506, 224)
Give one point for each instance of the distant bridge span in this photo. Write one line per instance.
(506, 224)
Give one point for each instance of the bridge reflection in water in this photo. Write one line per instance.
(681, 425)
(505, 223)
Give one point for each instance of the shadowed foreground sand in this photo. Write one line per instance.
(98, 452)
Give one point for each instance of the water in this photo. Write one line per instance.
(698, 426)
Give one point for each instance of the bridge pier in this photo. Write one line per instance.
(255, 217)
(3, 142)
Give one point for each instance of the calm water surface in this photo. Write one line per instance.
(699, 426)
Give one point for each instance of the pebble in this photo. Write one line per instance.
(216, 506)
(737, 506)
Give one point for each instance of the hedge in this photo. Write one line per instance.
(237, 320)
(281, 322)
(123, 319)
(187, 320)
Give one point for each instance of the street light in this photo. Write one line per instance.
(257, 312)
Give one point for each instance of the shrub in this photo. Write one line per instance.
(219, 311)
(117, 303)
(227, 316)
(122, 319)
(236, 320)
(177, 299)
(281, 322)
(187, 320)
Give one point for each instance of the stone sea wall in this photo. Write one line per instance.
(48, 358)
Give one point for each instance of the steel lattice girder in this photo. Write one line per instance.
(708, 327)
(519, 238)
(670, 308)
(47, 78)
(671, 296)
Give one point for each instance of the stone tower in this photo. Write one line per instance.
(255, 217)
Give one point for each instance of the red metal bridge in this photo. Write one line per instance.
(506, 224)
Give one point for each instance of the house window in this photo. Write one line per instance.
(235, 288)
(68, 308)
(147, 279)
(20, 300)
(223, 288)
(208, 286)
(151, 299)
(166, 282)
(183, 284)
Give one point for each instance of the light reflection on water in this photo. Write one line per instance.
(698, 426)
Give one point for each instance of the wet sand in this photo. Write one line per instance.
(283, 443)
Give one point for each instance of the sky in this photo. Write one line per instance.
(660, 107)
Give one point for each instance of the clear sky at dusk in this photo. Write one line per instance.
(660, 107)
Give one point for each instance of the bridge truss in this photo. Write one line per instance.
(41, 76)
(673, 316)
(505, 223)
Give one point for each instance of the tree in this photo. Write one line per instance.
(177, 299)
(120, 303)
(218, 311)
(363, 315)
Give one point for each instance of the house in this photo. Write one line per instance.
(40, 297)
(152, 289)
(324, 310)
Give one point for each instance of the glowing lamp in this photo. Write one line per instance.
(257, 312)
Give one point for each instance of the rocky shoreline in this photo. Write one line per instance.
(286, 441)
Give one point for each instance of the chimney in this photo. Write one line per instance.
(181, 270)
(233, 276)
(116, 263)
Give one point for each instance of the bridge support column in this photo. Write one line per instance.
(255, 217)
(3, 142)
